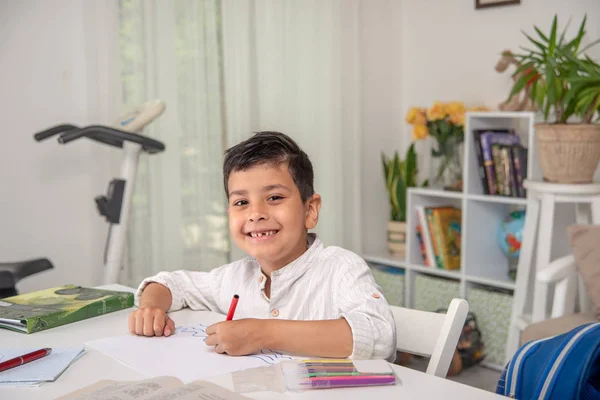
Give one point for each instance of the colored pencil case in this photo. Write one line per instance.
(332, 373)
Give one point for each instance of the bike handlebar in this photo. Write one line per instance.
(53, 131)
(102, 134)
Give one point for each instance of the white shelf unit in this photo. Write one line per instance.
(482, 261)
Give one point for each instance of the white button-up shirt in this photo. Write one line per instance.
(323, 283)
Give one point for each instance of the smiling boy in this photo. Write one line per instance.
(296, 295)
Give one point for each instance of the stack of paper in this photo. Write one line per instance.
(159, 388)
(45, 369)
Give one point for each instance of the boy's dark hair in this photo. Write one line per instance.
(274, 148)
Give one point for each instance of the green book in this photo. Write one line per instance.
(49, 308)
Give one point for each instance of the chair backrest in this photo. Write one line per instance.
(431, 334)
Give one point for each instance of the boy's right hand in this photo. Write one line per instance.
(151, 321)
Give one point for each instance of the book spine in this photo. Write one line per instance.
(488, 163)
(41, 323)
(455, 240)
(440, 228)
(507, 172)
(426, 234)
(517, 172)
(434, 238)
(116, 302)
(422, 245)
(481, 163)
(498, 170)
(522, 155)
(453, 224)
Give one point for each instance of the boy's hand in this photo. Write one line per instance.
(237, 338)
(151, 321)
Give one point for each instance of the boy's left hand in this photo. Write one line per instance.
(237, 338)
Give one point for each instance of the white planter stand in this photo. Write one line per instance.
(542, 198)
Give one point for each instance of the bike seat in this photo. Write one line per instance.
(13, 272)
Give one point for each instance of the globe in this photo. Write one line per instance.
(510, 234)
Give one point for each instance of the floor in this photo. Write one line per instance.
(477, 376)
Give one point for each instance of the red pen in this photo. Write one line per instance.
(24, 359)
(232, 307)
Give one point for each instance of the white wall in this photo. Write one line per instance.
(382, 116)
(449, 49)
(52, 71)
(417, 52)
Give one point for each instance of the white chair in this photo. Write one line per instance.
(571, 306)
(542, 198)
(431, 334)
(568, 288)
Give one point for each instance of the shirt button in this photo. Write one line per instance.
(261, 279)
(375, 295)
(275, 313)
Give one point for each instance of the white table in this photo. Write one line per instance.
(94, 366)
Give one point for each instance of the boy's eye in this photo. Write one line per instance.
(275, 197)
(240, 203)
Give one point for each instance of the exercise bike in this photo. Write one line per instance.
(116, 204)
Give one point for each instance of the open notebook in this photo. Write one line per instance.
(45, 369)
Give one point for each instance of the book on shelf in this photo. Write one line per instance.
(502, 161)
(519, 159)
(439, 231)
(423, 223)
(419, 232)
(481, 160)
(49, 308)
(447, 222)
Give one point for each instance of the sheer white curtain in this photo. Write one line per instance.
(294, 66)
(171, 50)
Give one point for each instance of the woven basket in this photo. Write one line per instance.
(568, 153)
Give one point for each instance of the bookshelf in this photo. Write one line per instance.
(483, 275)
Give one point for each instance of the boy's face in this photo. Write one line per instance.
(267, 217)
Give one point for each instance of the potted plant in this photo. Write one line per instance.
(399, 176)
(565, 84)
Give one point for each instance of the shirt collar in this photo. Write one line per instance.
(301, 264)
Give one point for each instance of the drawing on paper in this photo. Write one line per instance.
(199, 330)
(270, 356)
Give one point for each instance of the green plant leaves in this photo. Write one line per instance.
(561, 66)
(399, 176)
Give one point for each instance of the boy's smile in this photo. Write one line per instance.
(267, 218)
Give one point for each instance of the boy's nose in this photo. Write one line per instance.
(257, 213)
(257, 216)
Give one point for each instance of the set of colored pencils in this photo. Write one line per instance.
(331, 373)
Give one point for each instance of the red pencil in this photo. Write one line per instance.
(232, 307)
(24, 359)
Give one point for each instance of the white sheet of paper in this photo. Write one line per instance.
(47, 368)
(183, 355)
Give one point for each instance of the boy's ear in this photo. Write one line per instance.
(312, 207)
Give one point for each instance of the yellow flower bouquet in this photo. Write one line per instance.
(444, 123)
